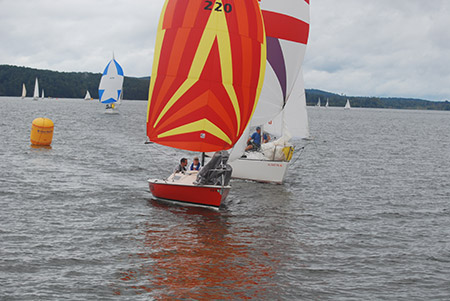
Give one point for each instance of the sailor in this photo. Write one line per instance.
(195, 165)
(182, 166)
(254, 142)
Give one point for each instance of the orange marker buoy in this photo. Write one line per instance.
(41, 132)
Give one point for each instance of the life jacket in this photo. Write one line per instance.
(195, 167)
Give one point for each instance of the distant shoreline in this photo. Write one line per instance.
(73, 85)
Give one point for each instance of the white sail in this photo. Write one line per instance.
(347, 105)
(24, 91)
(36, 90)
(293, 120)
(318, 103)
(110, 87)
(326, 105)
(120, 98)
(43, 95)
(286, 46)
(88, 95)
(239, 147)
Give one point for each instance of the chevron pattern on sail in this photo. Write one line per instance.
(207, 73)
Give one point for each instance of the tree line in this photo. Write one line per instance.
(63, 84)
(74, 85)
(335, 100)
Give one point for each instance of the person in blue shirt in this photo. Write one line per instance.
(195, 164)
(254, 142)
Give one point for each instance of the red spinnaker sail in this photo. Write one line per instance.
(207, 73)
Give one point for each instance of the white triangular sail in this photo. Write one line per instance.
(293, 120)
(42, 95)
(240, 146)
(111, 83)
(318, 103)
(24, 91)
(36, 90)
(347, 105)
(88, 95)
(326, 105)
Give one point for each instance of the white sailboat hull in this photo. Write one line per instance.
(259, 170)
(111, 111)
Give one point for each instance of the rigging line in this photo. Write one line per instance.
(158, 167)
(302, 149)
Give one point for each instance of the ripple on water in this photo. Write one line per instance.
(363, 214)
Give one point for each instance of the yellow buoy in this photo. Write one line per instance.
(41, 131)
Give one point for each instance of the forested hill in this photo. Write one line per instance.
(335, 100)
(63, 84)
(75, 84)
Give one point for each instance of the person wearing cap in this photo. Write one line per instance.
(254, 142)
(195, 165)
(182, 166)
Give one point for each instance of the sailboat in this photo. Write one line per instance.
(42, 95)
(36, 90)
(24, 91)
(88, 95)
(110, 88)
(287, 27)
(347, 105)
(271, 163)
(318, 103)
(199, 99)
(326, 105)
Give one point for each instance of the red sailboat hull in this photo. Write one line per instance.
(200, 195)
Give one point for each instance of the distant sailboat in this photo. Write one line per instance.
(110, 88)
(318, 103)
(36, 90)
(326, 105)
(88, 95)
(347, 105)
(24, 91)
(42, 95)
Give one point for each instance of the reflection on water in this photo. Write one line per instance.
(198, 258)
(40, 147)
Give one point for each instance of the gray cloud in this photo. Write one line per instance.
(380, 48)
(374, 48)
(79, 35)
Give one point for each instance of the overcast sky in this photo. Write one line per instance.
(356, 47)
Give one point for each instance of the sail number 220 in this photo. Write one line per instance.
(219, 6)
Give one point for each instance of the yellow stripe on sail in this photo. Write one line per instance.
(215, 28)
(226, 63)
(197, 126)
(158, 46)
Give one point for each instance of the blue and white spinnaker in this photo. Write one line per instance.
(110, 88)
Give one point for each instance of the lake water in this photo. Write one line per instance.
(364, 213)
